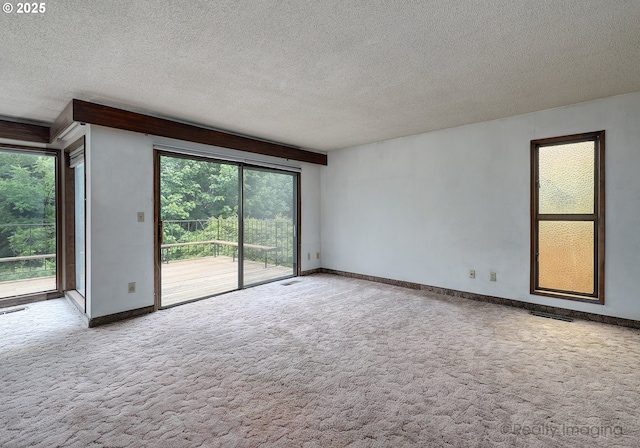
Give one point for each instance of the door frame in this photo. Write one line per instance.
(69, 223)
(60, 253)
(214, 158)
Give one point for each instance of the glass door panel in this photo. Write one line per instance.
(28, 243)
(199, 226)
(566, 255)
(269, 220)
(78, 172)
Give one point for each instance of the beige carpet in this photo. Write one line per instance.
(324, 362)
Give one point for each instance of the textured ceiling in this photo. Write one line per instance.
(319, 74)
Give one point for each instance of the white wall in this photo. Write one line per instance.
(120, 249)
(310, 214)
(120, 184)
(428, 208)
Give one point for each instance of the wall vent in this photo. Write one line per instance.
(292, 282)
(551, 316)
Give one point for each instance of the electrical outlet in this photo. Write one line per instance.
(493, 277)
(318, 255)
(132, 287)
(472, 273)
(140, 216)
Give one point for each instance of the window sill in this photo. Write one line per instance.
(567, 296)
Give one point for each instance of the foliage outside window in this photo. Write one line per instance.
(27, 220)
(199, 202)
(567, 217)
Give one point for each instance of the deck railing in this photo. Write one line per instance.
(27, 251)
(275, 233)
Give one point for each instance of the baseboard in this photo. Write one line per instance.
(311, 271)
(111, 318)
(491, 299)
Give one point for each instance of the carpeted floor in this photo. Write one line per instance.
(324, 362)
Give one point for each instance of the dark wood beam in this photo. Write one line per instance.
(28, 148)
(86, 112)
(25, 132)
(64, 120)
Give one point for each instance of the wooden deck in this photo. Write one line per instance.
(28, 286)
(203, 277)
(181, 280)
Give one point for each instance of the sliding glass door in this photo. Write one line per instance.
(199, 228)
(28, 230)
(269, 225)
(222, 226)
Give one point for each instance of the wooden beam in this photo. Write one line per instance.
(25, 132)
(64, 120)
(30, 149)
(86, 112)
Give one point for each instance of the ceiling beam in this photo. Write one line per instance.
(23, 131)
(98, 114)
(62, 123)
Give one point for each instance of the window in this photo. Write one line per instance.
(29, 231)
(567, 217)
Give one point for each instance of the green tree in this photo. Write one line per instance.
(267, 195)
(27, 209)
(27, 213)
(193, 189)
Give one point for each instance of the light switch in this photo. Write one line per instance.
(140, 216)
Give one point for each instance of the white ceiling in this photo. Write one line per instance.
(320, 74)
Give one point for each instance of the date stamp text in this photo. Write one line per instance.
(24, 8)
